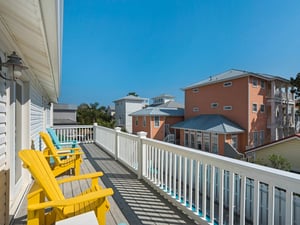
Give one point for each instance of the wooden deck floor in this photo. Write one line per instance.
(133, 202)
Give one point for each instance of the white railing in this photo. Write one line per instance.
(212, 189)
(80, 133)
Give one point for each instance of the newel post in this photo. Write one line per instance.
(117, 142)
(141, 149)
(94, 132)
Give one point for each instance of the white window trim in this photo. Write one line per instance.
(195, 109)
(155, 121)
(253, 107)
(195, 90)
(262, 81)
(227, 107)
(254, 79)
(264, 108)
(227, 84)
(214, 105)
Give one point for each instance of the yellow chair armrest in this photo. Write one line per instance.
(35, 190)
(80, 177)
(64, 154)
(69, 148)
(72, 201)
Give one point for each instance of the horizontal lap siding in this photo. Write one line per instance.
(4, 172)
(36, 117)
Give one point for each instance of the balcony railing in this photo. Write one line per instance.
(80, 133)
(210, 188)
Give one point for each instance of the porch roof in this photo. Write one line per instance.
(34, 30)
(210, 123)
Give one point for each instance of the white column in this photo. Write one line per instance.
(142, 135)
(117, 142)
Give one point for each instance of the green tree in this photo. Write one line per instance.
(279, 162)
(88, 114)
(133, 94)
(296, 84)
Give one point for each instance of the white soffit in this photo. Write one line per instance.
(34, 30)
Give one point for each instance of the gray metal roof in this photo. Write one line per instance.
(210, 123)
(133, 98)
(234, 74)
(167, 96)
(158, 111)
(169, 104)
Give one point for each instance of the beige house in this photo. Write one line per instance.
(288, 148)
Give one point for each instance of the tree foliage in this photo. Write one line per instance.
(279, 162)
(296, 83)
(275, 161)
(88, 114)
(133, 94)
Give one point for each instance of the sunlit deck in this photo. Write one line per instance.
(133, 202)
(160, 183)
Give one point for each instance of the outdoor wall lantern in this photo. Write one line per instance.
(15, 65)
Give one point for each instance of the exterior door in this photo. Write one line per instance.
(16, 137)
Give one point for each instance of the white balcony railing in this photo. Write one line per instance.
(210, 188)
(80, 133)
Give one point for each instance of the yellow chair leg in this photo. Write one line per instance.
(101, 212)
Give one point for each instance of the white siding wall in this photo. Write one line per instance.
(36, 117)
(130, 108)
(4, 159)
(3, 97)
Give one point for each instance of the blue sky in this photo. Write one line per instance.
(113, 47)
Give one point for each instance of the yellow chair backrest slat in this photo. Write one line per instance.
(41, 171)
(50, 146)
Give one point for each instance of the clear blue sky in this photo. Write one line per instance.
(112, 47)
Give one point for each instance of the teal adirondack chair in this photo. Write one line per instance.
(57, 143)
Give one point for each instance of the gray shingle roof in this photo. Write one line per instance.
(233, 74)
(158, 111)
(210, 123)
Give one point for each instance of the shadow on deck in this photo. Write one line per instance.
(133, 202)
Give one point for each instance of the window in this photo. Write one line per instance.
(199, 140)
(136, 120)
(255, 138)
(254, 82)
(227, 84)
(144, 121)
(262, 84)
(195, 109)
(262, 137)
(234, 141)
(262, 108)
(206, 138)
(258, 138)
(192, 136)
(214, 105)
(186, 138)
(156, 121)
(195, 90)
(214, 143)
(254, 107)
(227, 107)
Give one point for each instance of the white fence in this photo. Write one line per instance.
(212, 189)
(80, 133)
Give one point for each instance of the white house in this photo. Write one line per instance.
(33, 30)
(126, 106)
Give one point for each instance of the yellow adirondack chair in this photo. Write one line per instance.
(58, 207)
(64, 159)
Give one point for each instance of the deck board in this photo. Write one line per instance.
(133, 202)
